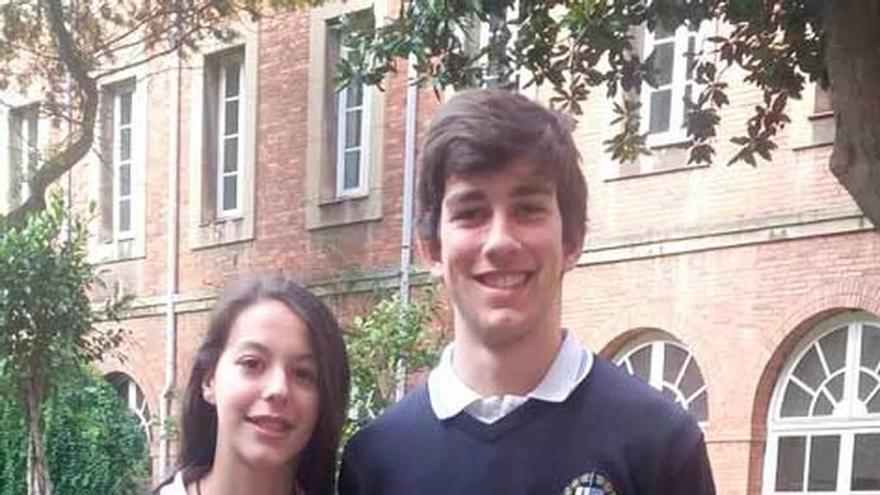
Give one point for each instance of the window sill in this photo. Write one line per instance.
(118, 251)
(223, 231)
(821, 115)
(649, 173)
(338, 211)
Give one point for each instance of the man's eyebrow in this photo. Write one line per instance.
(540, 189)
(465, 196)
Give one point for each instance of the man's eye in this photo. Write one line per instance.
(530, 209)
(465, 214)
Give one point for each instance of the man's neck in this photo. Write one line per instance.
(514, 369)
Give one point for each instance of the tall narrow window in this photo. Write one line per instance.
(122, 161)
(228, 137)
(664, 112)
(23, 151)
(350, 129)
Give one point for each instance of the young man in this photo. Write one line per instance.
(516, 406)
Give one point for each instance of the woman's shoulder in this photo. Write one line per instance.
(175, 487)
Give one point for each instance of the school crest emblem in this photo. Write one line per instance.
(591, 483)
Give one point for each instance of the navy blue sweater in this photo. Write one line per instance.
(613, 435)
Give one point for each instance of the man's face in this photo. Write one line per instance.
(501, 254)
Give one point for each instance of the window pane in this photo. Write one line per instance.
(661, 31)
(355, 96)
(685, 108)
(692, 380)
(351, 179)
(124, 180)
(230, 184)
(834, 348)
(673, 360)
(124, 215)
(231, 126)
(641, 363)
(790, 464)
(32, 123)
(125, 144)
(661, 102)
(867, 384)
(125, 108)
(232, 72)
(824, 456)
(809, 369)
(835, 386)
(870, 347)
(691, 58)
(874, 404)
(230, 154)
(823, 406)
(795, 402)
(352, 129)
(664, 55)
(866, 462)
(699, 407)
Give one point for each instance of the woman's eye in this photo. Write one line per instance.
(250, 364)
(305, 375)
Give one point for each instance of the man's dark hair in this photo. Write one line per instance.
(486, 130)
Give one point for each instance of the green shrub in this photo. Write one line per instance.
(94, 445)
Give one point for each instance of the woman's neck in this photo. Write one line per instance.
(237, 478)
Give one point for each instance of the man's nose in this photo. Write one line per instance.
(502, 238)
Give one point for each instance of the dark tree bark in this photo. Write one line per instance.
(853, 62)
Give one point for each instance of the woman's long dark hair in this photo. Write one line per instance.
(315, 473)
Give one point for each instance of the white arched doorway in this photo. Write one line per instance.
(823, 426)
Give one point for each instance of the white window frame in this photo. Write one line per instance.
(118, 162)
(129, 393)
(222, 64)
(25, 121)
(656, 340)
(363, 148)
(677, 133)
(846, 425)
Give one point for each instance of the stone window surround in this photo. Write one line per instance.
(223, 230)
(134, 245)
(322, 211)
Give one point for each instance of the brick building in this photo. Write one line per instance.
(748, 294)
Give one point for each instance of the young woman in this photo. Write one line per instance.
(266, 398)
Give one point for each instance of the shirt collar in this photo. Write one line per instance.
(449, 395)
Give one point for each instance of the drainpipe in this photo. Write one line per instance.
(409, 179)
(167, 398)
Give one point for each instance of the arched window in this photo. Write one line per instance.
(824, 420)
(134, 397)
(669, 367)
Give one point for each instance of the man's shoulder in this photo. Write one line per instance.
(619, 398)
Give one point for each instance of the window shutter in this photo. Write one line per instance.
(209, 142)
(105, 195)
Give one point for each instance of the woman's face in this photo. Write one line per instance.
(265, 388)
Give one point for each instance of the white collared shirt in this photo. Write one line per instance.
(450, 395)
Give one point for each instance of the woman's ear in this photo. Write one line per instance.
(208, 390)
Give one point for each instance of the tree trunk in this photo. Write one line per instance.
(38, 481)
(852, 57)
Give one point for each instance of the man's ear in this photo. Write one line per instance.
(208, 390)
(429, 251)
(571, 252)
